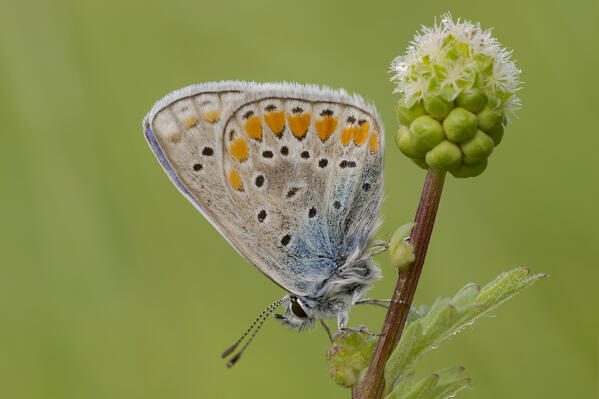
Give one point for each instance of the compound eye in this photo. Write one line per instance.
(297, 309)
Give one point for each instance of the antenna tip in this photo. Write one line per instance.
(228, 352)
(234, 360)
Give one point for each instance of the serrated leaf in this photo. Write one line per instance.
(449, 316)
(440, 385)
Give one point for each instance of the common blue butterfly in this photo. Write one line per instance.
(290, 175)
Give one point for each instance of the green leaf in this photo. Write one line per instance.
(449, 316)
(440, 385)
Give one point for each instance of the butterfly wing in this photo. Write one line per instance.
(294, 175)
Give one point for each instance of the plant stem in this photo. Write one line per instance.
(374, 382)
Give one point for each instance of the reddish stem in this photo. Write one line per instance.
(374, 382)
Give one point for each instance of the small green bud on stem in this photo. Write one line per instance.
(401, 252)
(350, 355)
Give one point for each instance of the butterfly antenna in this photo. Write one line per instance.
(261, 318)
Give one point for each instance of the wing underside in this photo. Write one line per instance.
(290, 175)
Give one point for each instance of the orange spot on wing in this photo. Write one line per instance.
(361, 133)
(235, 180)
(191, 121)
(347, 134)
(175, 137)
(275, 121)
(253, 127)
(239, 149)
(211, 116)
(374, 141)
(326, 126)
(299, 124)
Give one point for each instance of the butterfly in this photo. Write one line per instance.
(291, 176)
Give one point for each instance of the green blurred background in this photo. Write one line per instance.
(113, 286)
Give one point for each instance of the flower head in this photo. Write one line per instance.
(456, 85)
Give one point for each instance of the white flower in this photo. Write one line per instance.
(452, 56)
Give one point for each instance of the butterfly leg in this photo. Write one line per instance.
(383, 248)
(378, 302)
(360, 330)
(326, 328)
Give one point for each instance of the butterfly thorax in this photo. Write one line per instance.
(337, 294)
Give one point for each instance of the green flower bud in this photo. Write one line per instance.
(420, 162)
(496, 134)
(488, 119)
(401, 252)
(426, 132)
(444, 156)
(406, 115)
(349, 357)
(404, 141)
(478, 148)
(437, 106)
(473, 170)
(474, 100)
(460, 125)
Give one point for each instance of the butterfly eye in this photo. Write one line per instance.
(297, 309)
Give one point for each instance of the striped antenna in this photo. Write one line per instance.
(261, 318)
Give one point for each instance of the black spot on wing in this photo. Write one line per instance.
(261, 215)
(259, 181)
